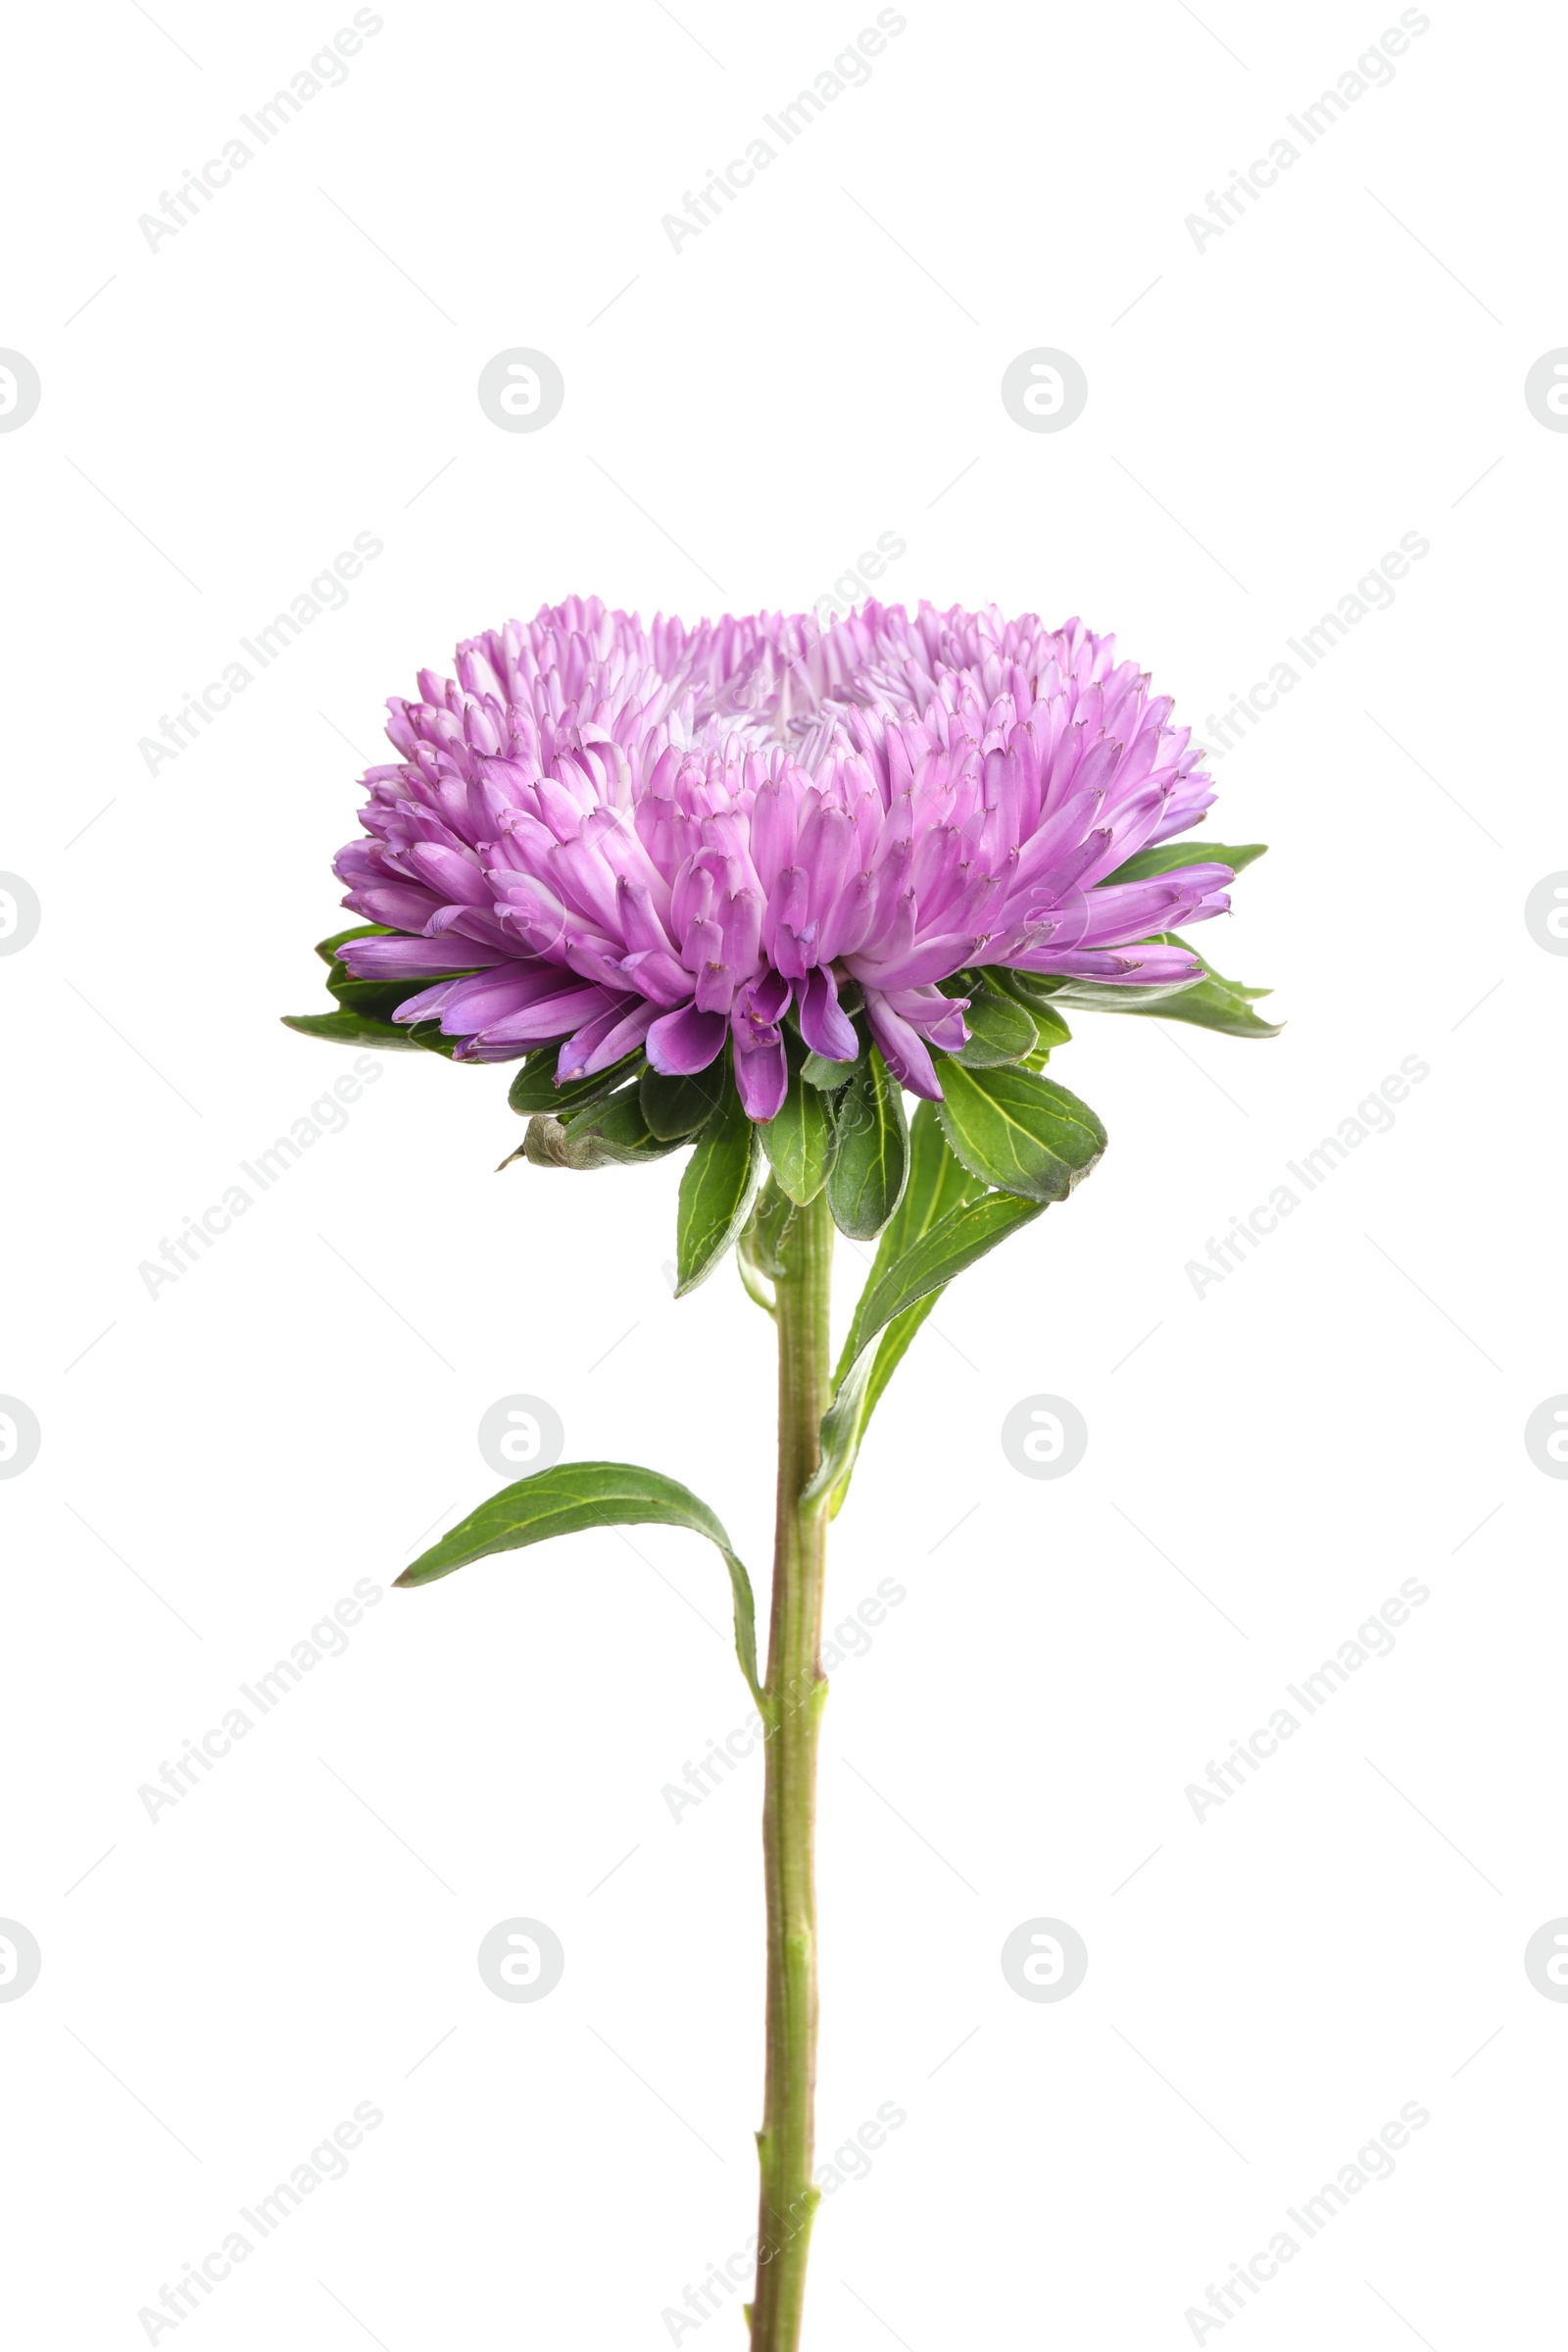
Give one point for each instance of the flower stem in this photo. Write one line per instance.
(793, 1696)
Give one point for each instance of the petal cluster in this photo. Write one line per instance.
(618, 836)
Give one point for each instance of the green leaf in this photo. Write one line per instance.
(801, 1141)
(817, 1070)
(937, 1184)
(327, 948)
(760, 1251)
(1172, 856)
(534, 1087)
(381, 998)
(365, 1007)
(1032, 991)
(954, 1241)
(716, 1190)
(1019, 1130)
(1211, 1003)
(871, 1165)
(1000, 1030)
(349, 1028)
(570, 1498)
(675, 1107)
(621, 1129)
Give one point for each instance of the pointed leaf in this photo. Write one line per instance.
(715, 1191)
(573, 1496)
(327, 948)
(1171, 857)
(677, 1106)
(346, 1028)
(867, 1180)
(954, 1241)
(534, 1087)
(817, 1070)
(1000, 1030)
(1019, 1130)
(801, 1141)
(1212, 1003)
(768, 1229)
(1033, 993)
(937, 1184)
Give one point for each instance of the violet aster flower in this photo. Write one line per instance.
(616, 837)
(839, 862)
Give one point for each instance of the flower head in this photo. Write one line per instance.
(616, 837)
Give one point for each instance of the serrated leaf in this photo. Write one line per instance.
(956, 1242)
(534, 1087)
(1000, 1030)
(801, 1140)
(1172, 856)
(1019, 1130)
(872, 1161)
(717, 1190)
(575, 1497)
(675, 1107)
(349, 1028)
(937, 1184)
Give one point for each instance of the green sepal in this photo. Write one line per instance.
(1173, 857)
(676, 1108)
(534, 1087)
(575, 1497)
(364, 1007)
(937, 1183)
(817, 1070)
(350, 1028)
(1001, 1029)
(957, 1241)
(1033, 993)
(1212, 1003)
(871, 1163)
(327, 948)
(760, 1251)
(717, 1189)
(1019, 1130)
(801, 1141)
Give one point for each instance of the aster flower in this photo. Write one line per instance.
(608, 836)
(732, 889)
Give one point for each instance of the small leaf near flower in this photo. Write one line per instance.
(715, 1191)
(953, 1243)
(1211, 1003)
(867, 1180)
(1000, 1030)
(534, 1087)
(676, 1108)
(937, 1184)
(1018, 1131)
(348, 1028)
(1172, 857)
(801, 1139)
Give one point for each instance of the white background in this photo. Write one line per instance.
(1266, 1463)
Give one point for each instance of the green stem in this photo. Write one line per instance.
(793, 1697)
